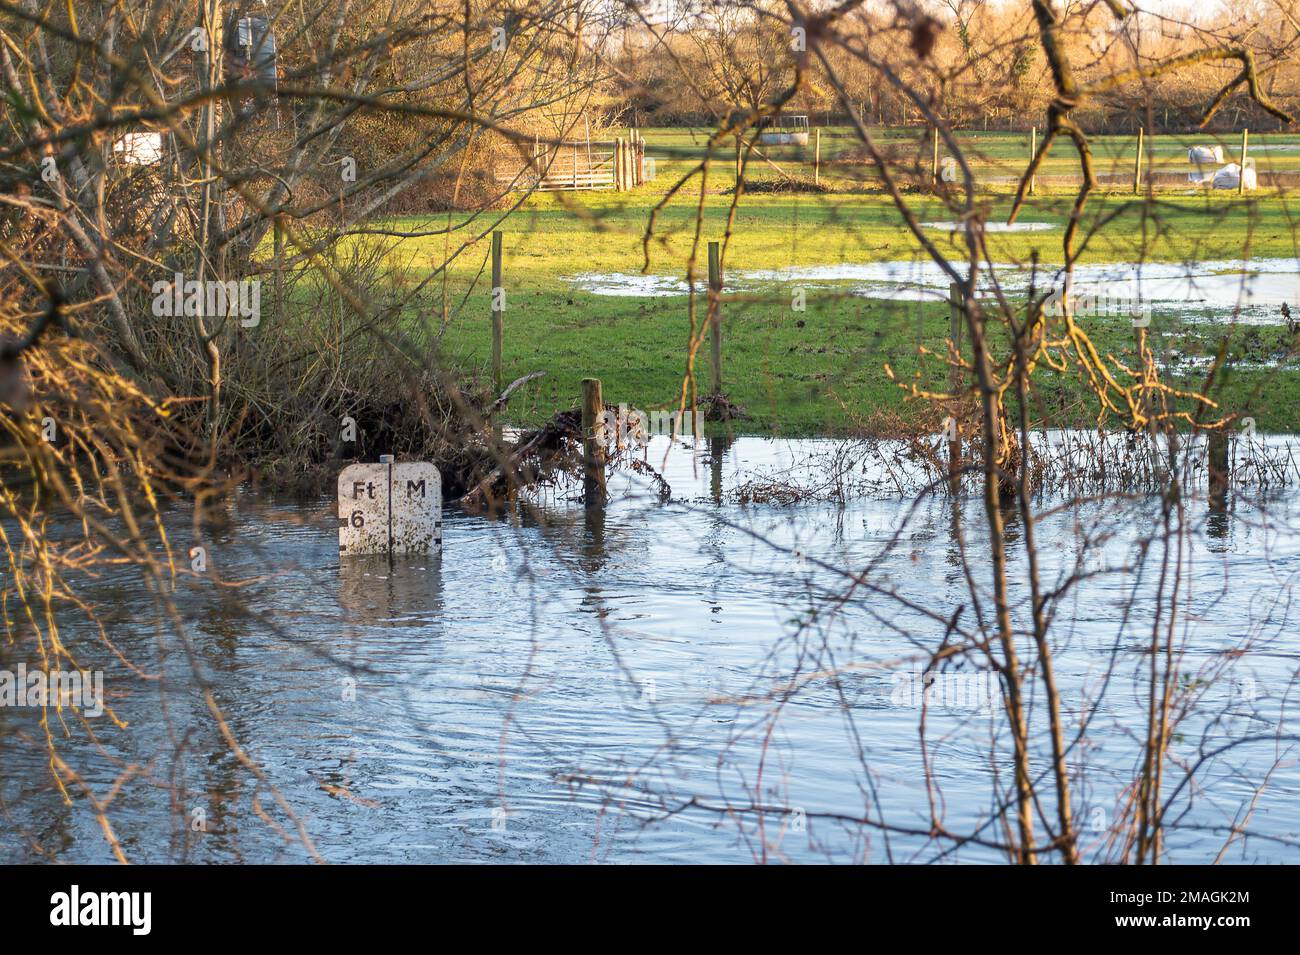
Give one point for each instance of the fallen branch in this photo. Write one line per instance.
(514, 386)
(515, 470)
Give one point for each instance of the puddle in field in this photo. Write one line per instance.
(1184, 364)
(1249, 292)
(994, 226)
(630, 284)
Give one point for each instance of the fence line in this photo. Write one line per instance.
(576, 165)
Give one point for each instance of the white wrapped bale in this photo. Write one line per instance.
(1230, 177)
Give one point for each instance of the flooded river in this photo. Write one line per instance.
(630, 687)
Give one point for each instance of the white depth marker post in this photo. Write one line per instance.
(389, 508)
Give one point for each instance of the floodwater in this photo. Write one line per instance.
(1246, 292)
(994, 226)
(628, 687)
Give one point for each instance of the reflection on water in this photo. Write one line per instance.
(567, 686)
(717, 452)
(405, 589)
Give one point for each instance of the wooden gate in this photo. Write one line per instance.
(576, 165)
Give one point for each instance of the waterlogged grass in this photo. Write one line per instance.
(822, 370)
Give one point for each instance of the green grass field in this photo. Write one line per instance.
(996, 158)
(822, 370)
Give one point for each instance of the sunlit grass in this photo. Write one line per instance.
(823, 370)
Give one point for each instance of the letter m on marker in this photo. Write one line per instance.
(413, 486)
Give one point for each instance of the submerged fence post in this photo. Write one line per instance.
(717, 450)
(1217, 465)
(498, 311)
(1241, 179)
(593, 444)
(1137, 161)
(954, 383)
(715, 314)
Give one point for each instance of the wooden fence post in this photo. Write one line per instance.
(335, 299)
(1241, 181)
(715, 314)
(817, 158)
(593, 444)
(1033, 148)
(934, 156)
(717, 452)
(498, 312)
(279, 276)
(1217, 461)
(1137, 160)
(954, 383)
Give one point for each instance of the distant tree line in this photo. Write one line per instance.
(984, 66)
